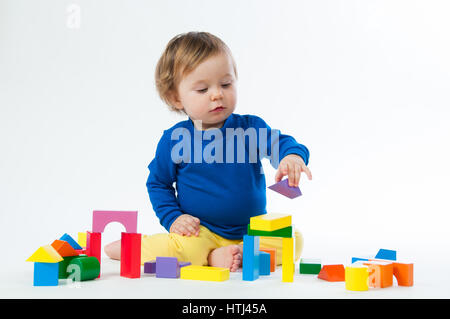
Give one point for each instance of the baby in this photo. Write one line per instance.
(218, 185)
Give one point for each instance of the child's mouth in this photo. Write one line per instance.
(218, 109)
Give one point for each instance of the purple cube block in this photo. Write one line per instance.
(150, 267)
(283, 188)
(167, 267)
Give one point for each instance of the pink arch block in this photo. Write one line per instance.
(101, 218)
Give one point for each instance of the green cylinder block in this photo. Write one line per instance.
(63, 274)
(85, 268)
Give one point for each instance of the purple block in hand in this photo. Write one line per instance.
(150, 267)
(167, 267)
(283, 188)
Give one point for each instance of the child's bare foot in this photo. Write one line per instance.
(226, 257)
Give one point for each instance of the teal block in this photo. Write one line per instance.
(250, 258)
(264, 263)
(45, 274)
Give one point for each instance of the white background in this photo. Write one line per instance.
(363, 84)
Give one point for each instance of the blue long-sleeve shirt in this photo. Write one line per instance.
(218, 175)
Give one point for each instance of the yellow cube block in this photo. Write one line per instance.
(270, 222)
(205, 273)
(357, 278)
(82, 239)
(287, 260)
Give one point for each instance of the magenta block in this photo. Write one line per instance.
(101, 218)
(167, 267)
(283, 188)
(150, 267)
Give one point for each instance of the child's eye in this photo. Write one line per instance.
(226, 85)
(202, 90)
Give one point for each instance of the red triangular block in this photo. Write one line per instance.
(332, 273)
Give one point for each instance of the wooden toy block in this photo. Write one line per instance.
(206, 273)
(45, 254)
(270, 222)
(82, 239)
(380, 273)
(84, 268)
(167, 267)
(81, 251)
(63, 248)
(250, 258)
(332, 273)
(283, 188)
(273, 257)
(264, 263)
(130, 255)
(283, 232)
(356, 277)
(184, 263)
(101, 218)
(355, 259)
(386, 254)
(150, 267)
(45, 274)
(310, 266)
(404, 273)
(63, 274)
(94, 245)
(287, 260)
(71, 241)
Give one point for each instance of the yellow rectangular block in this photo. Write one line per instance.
(206, 273)
(287, 260)
(270, 222)
(82, 239)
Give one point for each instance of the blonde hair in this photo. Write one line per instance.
(182, 55)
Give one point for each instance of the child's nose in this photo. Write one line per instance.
(217, 94)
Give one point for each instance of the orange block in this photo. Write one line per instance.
(332, 273)
(273, 257)
(404, 272)
(380, 273)
(63, 248)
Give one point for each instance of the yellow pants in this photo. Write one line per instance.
(197, 248)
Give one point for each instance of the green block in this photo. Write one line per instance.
(310, 267)
(283, 232)
(63, 266)
(86, 268)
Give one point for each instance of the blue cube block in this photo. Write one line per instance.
(386, 254)
(45, 274)
(250, 258)
(264, 263)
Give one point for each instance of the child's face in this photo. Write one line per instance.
(210, 85)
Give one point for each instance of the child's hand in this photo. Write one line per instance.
(185, 225)
(292, 165)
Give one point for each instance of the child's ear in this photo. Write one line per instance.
(175, 100)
